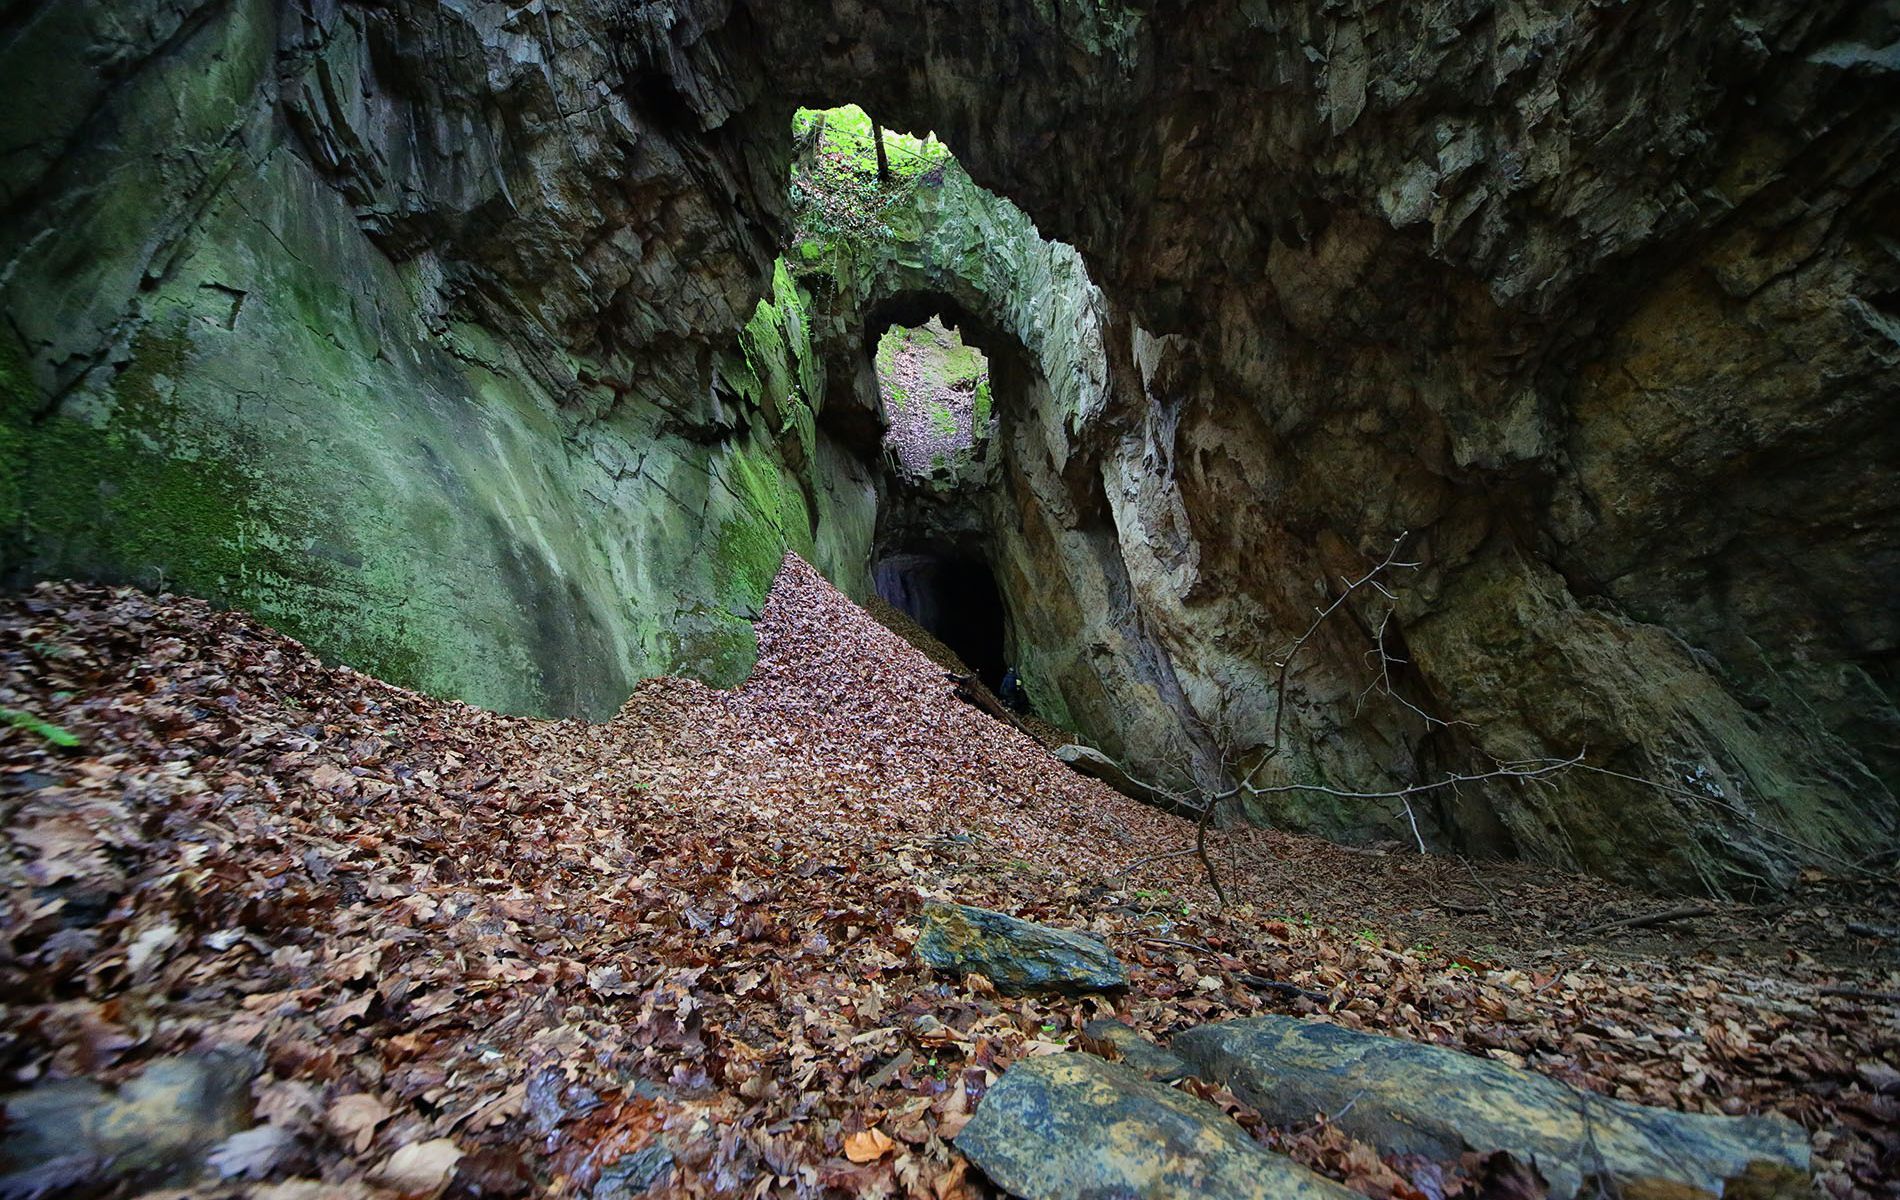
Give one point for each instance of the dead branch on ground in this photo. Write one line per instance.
(1646, 920)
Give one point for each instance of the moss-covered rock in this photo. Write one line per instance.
(1406, 1098)
(1020, 957)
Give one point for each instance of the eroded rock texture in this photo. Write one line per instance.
(412, 328)
(1422, 1099)
(415, 327)
(1596, 302)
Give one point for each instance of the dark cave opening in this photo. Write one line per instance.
(953, 596)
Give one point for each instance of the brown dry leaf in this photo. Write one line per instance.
(66, 849)
(867, 1145)
(332, 779)
(949, 1185)
(420, 1169)
(355, 1118)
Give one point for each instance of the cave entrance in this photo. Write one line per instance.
(935, 391)
(954, 597)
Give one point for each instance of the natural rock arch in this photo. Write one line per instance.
(1576, 294)
(1367, 294)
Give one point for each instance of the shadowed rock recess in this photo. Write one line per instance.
(456, 341)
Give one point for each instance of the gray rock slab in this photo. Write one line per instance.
(1068, 1126)
(1407, 1098)
(1018, 956)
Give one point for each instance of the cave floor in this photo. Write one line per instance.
(521, 954)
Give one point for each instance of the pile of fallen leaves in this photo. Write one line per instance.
(496, 955)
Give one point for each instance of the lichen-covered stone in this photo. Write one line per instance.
(1072, 1125)
(1407, 1098)
(73, 1135)
(1018, 956)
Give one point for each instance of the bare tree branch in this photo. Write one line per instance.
(1390, 562)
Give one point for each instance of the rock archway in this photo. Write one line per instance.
(1367, 289)
(412, 329)
(1035, 514)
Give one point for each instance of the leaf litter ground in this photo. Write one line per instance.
(498, 955)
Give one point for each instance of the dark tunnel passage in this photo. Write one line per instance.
(954, 596)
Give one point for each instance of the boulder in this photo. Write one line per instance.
(155, 1130)
(1086, 760)
(1018, 956)
(1071, 1125)
(1408, 1098)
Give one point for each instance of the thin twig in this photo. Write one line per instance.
(1275, 985)
(1853, 993)
(1152, 858)
(1413, 818)
(1531, 769)
(1325, 1120)
(1479, 880)
(1686, 913)
(1286, 664)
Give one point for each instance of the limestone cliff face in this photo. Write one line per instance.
(428, 332)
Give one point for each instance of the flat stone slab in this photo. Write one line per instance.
(1066, 1126)
(1019, 957)
(1407, 1098)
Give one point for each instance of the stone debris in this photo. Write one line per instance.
(1409, 1098)
(1019, 957)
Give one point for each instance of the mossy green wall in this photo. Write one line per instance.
(224, 387)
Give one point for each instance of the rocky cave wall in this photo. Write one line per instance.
(1033, 509)
(414, 328)
(1594, 301)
